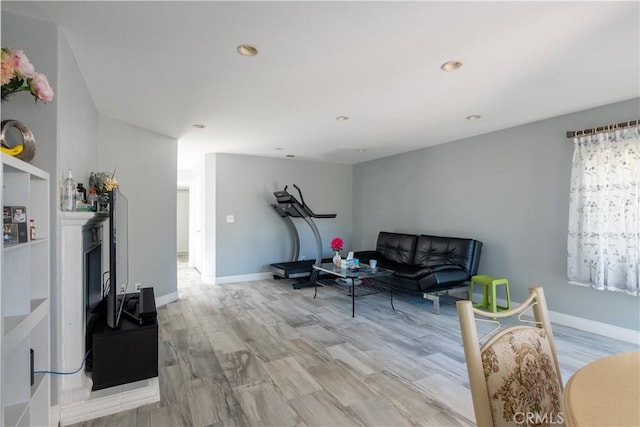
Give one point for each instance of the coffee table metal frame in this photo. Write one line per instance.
(365, 272)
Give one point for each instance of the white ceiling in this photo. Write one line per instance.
(167, 65)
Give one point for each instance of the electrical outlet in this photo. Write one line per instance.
(138, 286)
(123, 288)
(302, 257)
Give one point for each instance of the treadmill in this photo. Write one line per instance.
(288, 207)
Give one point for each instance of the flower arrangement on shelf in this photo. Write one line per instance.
(18, 74)
(103, 182)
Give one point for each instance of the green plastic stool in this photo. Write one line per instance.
(489, 300)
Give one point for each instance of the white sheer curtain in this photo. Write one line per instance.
(604, 212)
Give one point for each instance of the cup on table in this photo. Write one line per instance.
(373, 263)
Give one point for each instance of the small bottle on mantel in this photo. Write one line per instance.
(92, 199)
(69, 193)
(81, 196)
(32, 229)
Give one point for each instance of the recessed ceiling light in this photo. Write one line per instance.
(451, 65)
(199, 126)
(290, 155)
(342, 118)
(361, 150)
(247, 50)
(473, 117)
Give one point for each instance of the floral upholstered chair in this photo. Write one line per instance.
(514, 375)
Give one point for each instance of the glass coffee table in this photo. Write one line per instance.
(357, 282)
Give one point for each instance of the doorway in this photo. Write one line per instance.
(182, 223)
(188, 223)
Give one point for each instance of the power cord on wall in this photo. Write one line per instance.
(66, 373)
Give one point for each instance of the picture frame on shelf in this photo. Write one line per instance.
(10, 233)
(18, 214)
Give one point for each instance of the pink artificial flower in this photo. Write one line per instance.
(11, 55)
(8, 66)
(40, 88)
(18, 74)
(24, 67)
(337, 243)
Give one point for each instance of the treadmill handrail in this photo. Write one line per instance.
(308, 209)
(300, 193)
(323, 215)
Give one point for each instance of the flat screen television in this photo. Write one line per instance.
(118, 257)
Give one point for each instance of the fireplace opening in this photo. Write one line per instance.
(93, 281)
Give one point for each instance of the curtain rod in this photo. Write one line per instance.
(573, 133)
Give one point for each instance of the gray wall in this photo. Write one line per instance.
(77, 120)
(258, 237)
(145, 165)
(508, 189)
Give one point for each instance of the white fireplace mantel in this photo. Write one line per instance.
(76, 401)
(71, 329)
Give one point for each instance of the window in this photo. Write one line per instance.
(604, 211)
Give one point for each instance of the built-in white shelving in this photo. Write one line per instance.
(25, 300)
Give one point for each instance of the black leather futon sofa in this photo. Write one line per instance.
(425, 263)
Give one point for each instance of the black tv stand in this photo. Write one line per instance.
(126, 354)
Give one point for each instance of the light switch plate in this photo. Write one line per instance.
(230, 218)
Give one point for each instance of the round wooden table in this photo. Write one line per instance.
(605, 393)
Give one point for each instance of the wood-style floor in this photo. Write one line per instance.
(262, 354)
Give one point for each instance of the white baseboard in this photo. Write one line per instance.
(599, 328)
(240, 278)
(166, 299)
(586, 325)
(110, 401)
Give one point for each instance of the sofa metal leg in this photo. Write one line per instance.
(436, 301)
(435, 296)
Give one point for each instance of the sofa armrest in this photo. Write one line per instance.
(443, 279)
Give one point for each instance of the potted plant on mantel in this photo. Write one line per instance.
(102, 183)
